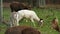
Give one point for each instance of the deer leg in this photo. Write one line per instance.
(33, 22)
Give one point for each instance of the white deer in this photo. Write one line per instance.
(17, 16)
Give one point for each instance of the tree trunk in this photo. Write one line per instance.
(1, 14)
(40, 3)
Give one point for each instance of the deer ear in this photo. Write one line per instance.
(41, 19)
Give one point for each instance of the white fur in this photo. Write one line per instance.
(27, 14)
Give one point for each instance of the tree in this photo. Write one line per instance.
(1, 8)
(40, 3)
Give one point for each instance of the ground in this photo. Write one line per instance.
(46, 14)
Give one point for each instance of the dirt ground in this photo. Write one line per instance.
(47, 6)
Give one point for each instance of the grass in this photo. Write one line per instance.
(42, 13)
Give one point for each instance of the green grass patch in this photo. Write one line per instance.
(46, 14)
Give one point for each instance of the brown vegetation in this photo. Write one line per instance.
(22, 30)
(55, 24)
(16, 6)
